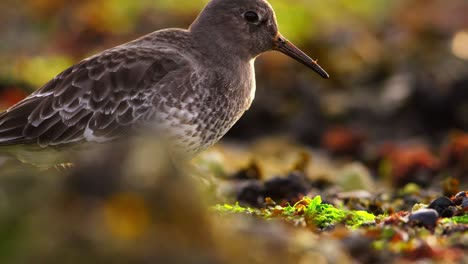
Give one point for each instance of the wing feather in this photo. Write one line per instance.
(95, 100)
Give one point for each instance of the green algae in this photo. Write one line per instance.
(311, 211)
(462, 219)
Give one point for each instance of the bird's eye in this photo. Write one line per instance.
(251, 17)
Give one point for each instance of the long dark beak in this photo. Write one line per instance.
(283, 45)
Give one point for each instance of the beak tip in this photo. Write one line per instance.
(321, 72)
(286, 47)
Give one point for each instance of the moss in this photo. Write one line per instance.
(311, 211)
(463, 219)
(227, 208)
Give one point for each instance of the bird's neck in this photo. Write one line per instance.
(218, 45)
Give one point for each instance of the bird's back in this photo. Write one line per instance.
(97, 99)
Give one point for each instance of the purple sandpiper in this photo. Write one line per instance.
(191, 84)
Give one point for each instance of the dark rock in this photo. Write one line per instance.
(362, 249)
(424, 217)
(440, 204)
(457, 199)
(452, 229)
(289, 188)
(321, 183)
(449, 212)
(375, 208)
(279, 189)
(251, 194)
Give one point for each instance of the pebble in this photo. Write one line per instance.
(441, 204)
(291, 187)
(279, 189)
(449, 212)
(424, 217)
(464, 204)
(251, 194)
(457, 199)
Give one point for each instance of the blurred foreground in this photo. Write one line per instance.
(129, 203)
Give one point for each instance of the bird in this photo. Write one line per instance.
(191, 85)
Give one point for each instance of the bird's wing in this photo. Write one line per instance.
(96, 100)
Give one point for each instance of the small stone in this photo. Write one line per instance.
(457, 199)
(440, 204)
(449, 212)
(464, 204)
(251, 194)
(461, 195)
(290, 188)
(424, 217)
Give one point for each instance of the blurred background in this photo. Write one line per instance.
(395, 109)
(399, 68)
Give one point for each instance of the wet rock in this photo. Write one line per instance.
(289, 188)
(449, 212)
(452, 229)
(279, 189)
(321, 183)
(361, 248)
(441, 204)
(375, 208)
(251, 194)
(457, 199)
(424, 217)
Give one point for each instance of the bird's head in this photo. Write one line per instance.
(246, 28)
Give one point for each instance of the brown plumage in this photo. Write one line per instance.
(191, 85)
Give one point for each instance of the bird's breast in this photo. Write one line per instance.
(243, 87)
(241, 93)
(213, 109)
